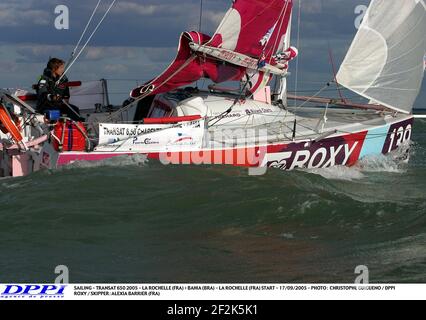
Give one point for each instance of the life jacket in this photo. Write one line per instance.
(47, 85)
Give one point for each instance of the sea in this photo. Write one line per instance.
(129, 220)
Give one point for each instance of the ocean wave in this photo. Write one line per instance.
(339, 173)
(394, 162)
(119, 161)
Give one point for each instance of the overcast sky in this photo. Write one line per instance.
(139, 38)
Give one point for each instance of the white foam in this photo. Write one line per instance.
(339, 173)
(381, 163)
(394, 162)
(119, 161)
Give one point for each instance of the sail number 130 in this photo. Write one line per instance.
(400, 136)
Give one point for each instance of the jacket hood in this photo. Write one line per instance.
(48, 73)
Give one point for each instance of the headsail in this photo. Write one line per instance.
(249, 37)
(385, 62)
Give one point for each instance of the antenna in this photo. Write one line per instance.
(201, 16)
(296, 81)
(200, 24)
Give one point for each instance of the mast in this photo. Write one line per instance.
(281, 81)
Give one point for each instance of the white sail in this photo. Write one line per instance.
(385, 61)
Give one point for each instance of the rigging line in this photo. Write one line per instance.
(281, 17)
(310, 98)
(146, 94)
(333, 66)
(88, 40)
(199, 28)
(281, 20)
(187, 62)
(297, 69)
(298, 58)
(220, 116)
(85, 30)
(259, 14)
(276, 45)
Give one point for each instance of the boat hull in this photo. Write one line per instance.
(343, 149)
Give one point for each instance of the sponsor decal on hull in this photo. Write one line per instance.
(399, 133)
(342, 150)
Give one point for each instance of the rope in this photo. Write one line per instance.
(281, 17)
(298, 45)
(310, 98)
(219, 117)
(85, 30)
(146, 94)
(88, 40)
(330, 53)
(297, 68)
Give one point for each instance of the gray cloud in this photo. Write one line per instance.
(24, 13)
(152, 23)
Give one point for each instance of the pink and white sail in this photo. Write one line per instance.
(249, 40)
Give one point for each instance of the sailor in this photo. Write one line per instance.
(55, 96)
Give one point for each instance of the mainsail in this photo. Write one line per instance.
(249, 39)
(385, 62)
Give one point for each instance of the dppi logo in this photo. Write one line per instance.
(23, 291)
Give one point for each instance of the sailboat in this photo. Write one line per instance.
(254, 125)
